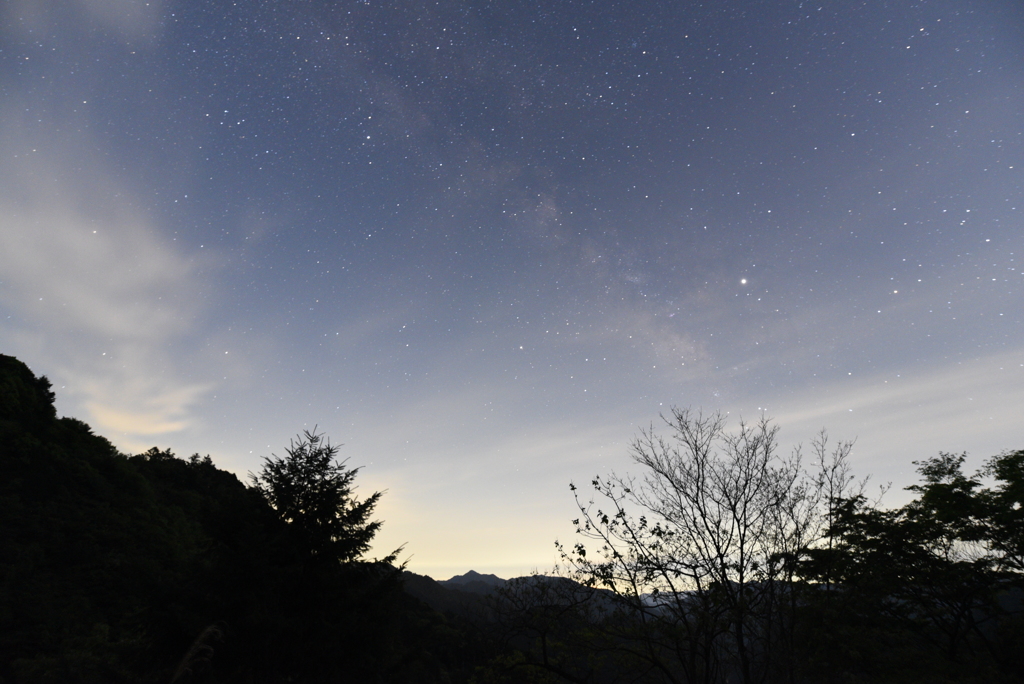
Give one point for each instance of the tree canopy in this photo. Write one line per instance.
(153, 568)
(726, 561)
(721, 561)
(314, 493)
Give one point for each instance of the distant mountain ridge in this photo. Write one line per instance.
(474, 581)
(460, 594)
(466, 594)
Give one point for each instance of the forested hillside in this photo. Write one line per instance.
(153, 568)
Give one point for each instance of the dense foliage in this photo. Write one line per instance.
(312, 492)
(723, 562)
(152, 568)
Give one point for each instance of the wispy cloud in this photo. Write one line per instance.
(95, 296)
(899, 418)
(127, 18)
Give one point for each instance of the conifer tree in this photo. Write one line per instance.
(312, 491)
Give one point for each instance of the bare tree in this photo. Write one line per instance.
(704, 545)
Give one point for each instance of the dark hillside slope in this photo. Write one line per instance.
(152, 568)
(111, 565)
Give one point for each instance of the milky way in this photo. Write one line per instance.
(482, 243)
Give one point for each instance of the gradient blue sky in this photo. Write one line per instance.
(481, 243)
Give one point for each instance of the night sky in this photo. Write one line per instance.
(481, 244)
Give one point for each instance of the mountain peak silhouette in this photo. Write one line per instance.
(473, 577)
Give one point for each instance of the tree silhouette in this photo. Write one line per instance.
(313, 492)
(700, 550)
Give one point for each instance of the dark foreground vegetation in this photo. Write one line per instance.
(722, 563)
